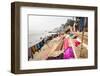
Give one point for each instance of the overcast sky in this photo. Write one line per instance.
(39, 24)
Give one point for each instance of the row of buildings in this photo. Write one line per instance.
(76, 24)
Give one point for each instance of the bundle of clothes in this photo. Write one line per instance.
(68, 49)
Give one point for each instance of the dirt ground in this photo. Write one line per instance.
(52, 50)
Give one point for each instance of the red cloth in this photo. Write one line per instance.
(76, 42)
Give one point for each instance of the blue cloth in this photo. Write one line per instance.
(81, 23)
(38, 46)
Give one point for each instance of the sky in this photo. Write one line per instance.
(40, 23)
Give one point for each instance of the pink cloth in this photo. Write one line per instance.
(68, 53)
(66, 43)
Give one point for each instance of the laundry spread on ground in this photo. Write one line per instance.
(59, 47)
(68, 53)
(71, 43)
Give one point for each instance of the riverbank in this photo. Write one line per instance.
(53, 49)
